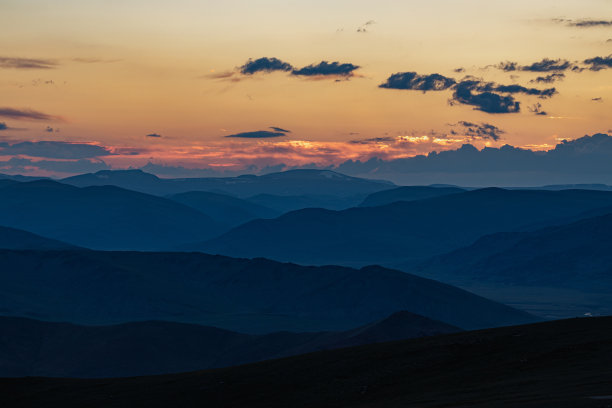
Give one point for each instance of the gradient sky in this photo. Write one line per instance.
(112, 72)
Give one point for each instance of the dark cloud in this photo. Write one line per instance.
(153, 135)
(536, 108)
(264, 65)
(49, 129)
(373, 140)
(26, 114)
(3, 126)
(26, 63)
(546, 65)
(599, 63)
(599, 99)
(325, 68)
(586, 23)
(550, 78)
(507, 66)
(55, 150)
(479, 131)
(258, 134)
(487, 101)
(414, 81)
(513, 89)
(277, 129)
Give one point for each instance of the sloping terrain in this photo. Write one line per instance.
(35, 348)
(252, 296)
(11, 238)
(402, 231)
(102, 217)
(408, 193)
(559, 364)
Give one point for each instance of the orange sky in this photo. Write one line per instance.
(119, 70)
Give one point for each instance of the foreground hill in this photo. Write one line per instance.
(288, 183)
(11, 238)
(557, 364)
(402, 231)
(102, 217)
(408, 193)
(35, 348)
(255, 296)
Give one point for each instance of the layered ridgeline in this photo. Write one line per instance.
(35, 348)
(287, 183)
(228, 210)
(11, 238)
(408, 193)
(252, 296)
(568, 264)
(553, 364)
(102, 217)
(404, 231)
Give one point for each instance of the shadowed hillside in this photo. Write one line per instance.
(255, 296)
(402, 231)
(35, 348)
(11, 238)
(558, 364)
(102, 217)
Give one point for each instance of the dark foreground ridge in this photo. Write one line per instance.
(555, 364)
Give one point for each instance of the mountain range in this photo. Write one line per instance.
(288, 183)
(102, 217)
(250, 296)
(402, 231)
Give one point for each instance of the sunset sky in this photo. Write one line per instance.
(124, 83)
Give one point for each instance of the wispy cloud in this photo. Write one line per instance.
(26, 114)
(583, 23)
(55, 150)
(27, 63)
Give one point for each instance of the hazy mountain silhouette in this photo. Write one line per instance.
(20, 178)
(254, 296)
(402, 231)
(575, 255)
(284, 204)
(225, 209)
(553, 364)
(11, 238)
(408, 193)
(102, 217)
(293, 182)
(35, 348)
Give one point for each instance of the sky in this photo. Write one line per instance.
(249, 84)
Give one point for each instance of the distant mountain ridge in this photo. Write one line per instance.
(11, 238)
(105, 217)
(407, 193)
(402, 231)
(34, 348)
(292, 182)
